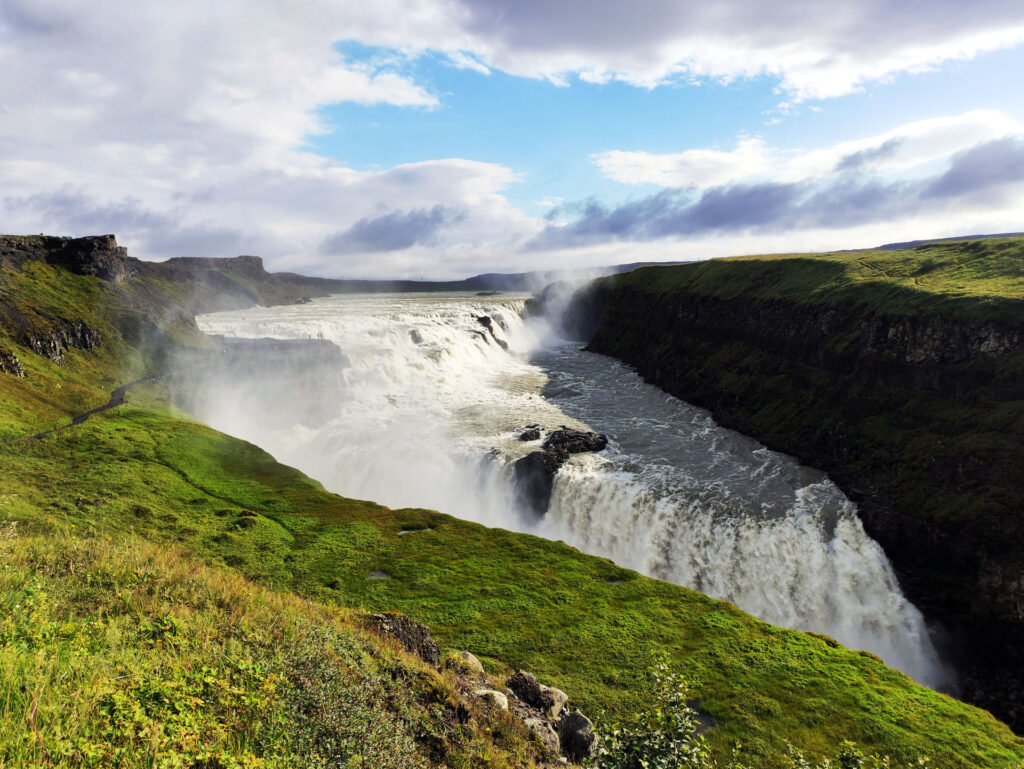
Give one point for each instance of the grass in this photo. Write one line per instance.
(126, 653)
(143, 490)
(970, 280)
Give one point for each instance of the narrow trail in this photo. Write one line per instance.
(117, 398)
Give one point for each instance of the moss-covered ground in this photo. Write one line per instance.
(127, 526)
(980, 280)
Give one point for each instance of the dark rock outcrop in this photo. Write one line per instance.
(99, 256)
(412, 635)
(566, 441)
(58, 335)
(534, 474)
(918, 417)
(576, 733)
(486, 322)
(9, 364)
(530, 433)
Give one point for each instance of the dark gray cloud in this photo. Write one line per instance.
(974, 176)
(393, 231)
(857, 161)
(605, 25)
(988, 165)
(29, 18)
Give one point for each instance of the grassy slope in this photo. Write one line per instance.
(125, 653)
(143, 471)
(974, 280)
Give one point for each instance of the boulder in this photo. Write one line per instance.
(566, 441)
(526, 687)
(530, 433)
(414, 636)
(9, 364)
(545, 733)
(534, 480)
(576, 733)
(557, 698)
(468, 661)
(498, 699)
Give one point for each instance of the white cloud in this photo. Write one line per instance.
(182, 130)
(907, 149)
(692, 168)
(816, 50)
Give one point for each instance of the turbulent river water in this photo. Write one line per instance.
(425, 408)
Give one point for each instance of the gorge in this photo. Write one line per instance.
(425, 409)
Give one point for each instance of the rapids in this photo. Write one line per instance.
(425, 410)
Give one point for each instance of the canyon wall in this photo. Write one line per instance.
(912, 404)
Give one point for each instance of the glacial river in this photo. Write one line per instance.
(425, 409)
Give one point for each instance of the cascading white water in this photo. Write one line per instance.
(425, 411)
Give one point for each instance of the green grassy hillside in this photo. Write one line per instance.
(973, 280)
(143, 541)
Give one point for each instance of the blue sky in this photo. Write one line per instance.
(548, 132)
(441, 138)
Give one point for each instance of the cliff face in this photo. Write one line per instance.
(917, 414)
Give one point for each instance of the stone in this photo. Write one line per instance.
(526, 687)
(531, 433)
(498, 699)
(545, 733)
(486, 322)
(534, 479)
(413, 635)
(9, 364)
(576, 733)
(558, 699)
(469, 661)
(569, 441)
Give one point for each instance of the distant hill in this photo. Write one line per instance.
(916, 243)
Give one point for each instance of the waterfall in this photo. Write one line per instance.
(425, 408)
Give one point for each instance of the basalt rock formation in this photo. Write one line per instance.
(535, 473)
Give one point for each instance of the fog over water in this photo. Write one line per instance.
(424, 409)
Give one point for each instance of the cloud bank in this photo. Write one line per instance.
(986, 177)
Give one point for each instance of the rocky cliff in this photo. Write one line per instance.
(910, 395)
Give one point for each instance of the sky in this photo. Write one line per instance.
(442, 139)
